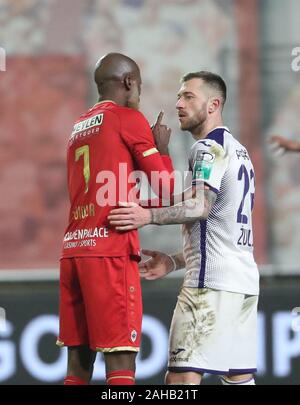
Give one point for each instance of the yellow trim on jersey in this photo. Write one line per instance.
(117, 349)
(107, 349)
(126, 377)
(150, 152)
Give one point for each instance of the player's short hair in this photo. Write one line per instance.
(213, 80)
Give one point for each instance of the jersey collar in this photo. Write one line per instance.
(104, 101)
(221, 127)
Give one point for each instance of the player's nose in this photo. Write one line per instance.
(179, 104)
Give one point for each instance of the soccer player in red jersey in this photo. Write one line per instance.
(100, 294)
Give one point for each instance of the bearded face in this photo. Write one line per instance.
(191, 118)
(192, 105)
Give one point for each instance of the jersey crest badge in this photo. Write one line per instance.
(133, 335)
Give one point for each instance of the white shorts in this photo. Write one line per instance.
(213, 332)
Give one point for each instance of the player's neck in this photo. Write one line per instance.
(207, 128)
(113, 98)
(104, 101)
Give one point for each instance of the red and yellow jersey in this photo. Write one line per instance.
(107, 145)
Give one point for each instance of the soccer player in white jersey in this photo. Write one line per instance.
(213, 328)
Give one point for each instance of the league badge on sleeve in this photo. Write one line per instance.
(203, 165)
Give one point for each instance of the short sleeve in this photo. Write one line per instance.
(137, 135)
(208, 163)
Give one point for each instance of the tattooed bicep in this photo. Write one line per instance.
(210, 197)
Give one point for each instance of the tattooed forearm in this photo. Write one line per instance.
(175, 199)
(179, 261)
(189, 211)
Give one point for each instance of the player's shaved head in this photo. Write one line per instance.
(118, 78)
(114, 67)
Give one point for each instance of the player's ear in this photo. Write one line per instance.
(127, 82)
(214, 105)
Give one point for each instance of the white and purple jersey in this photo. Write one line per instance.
(218, 252)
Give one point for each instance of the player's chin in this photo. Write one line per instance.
(184, 126)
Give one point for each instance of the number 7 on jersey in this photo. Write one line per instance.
(85, 151)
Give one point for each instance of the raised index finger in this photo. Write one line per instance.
(159, 118)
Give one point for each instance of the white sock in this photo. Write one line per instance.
(250, 381)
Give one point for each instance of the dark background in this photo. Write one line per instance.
(279, 353)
